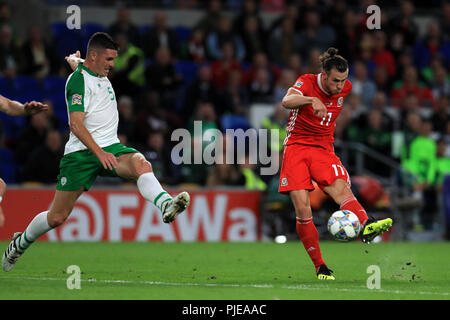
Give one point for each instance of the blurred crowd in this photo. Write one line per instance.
(166, 78)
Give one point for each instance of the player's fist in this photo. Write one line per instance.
(319, 108)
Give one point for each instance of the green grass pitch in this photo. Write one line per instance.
(222, 271)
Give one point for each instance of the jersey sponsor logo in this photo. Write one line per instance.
(77, 99)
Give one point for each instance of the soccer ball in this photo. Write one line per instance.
(344, 225)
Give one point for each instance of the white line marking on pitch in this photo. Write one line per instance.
(190, 284)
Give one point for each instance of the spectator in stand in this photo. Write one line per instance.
(276, 121)
(336, 15)
(39, 57)
(290, 13)
(127, 120)
(404, 60)
(441, 83)
(224, 33)
(283, 42)
(283, 84)
(160, 35)
(202, 89)
(404, 23)
(250, 8)
(54, 122)
(362, 85)
(381, 55)
(43, 163)
(222, 67)
(261, 87)
(314, 65)
(195, 49)
(124, 25)
(260, 61)
(128, 76)
(434, 43)
(442, 165)
(210, 20)
(441, 115)
(379, 102)
(5, 19)
(422, 163)
(410, 86)
(382, 80)
(235, 97)
(10, 53)
(365, 46)
(253, 38)
(377, 138)
(347, 36)
(444, 20)
(316, 34)
(162, 77)
(295, 64)
(222, 173)
(32, 136)
(156, 151)
(427, 73)
(411, 129)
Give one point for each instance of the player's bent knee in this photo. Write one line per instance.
(55, 220)
(141, 165)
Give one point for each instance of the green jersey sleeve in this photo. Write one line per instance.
(75, 92)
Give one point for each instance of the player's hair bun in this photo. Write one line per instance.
(332, 52)
(330, 59)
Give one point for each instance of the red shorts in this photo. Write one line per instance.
(303, 163)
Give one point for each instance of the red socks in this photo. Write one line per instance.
(309, 236)
(351, 204)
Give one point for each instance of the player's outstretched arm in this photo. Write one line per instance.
(76, 118)
(16, 109)
(74, 59)
(294, 100)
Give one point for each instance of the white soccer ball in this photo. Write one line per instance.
(344, 225)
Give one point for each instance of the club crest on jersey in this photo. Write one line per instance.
(340, 101)
(284, 181)
(298, 84)
(76, 99)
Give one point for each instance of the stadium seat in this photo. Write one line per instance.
(58, 29)
(89, 28)
(183, 33)
(188, 69)
(7, 169)
(69, 42)
(144, 29)
(234, 122)
(53, 83)
(22, 83)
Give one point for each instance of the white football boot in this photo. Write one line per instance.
(11, 254)
(172, 208)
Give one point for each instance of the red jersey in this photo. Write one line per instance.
(306, 128)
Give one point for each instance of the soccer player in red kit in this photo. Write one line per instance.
(315, 101)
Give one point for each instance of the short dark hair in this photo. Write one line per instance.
(330, 59)
(101, 40)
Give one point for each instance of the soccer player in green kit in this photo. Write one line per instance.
(93, 149)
